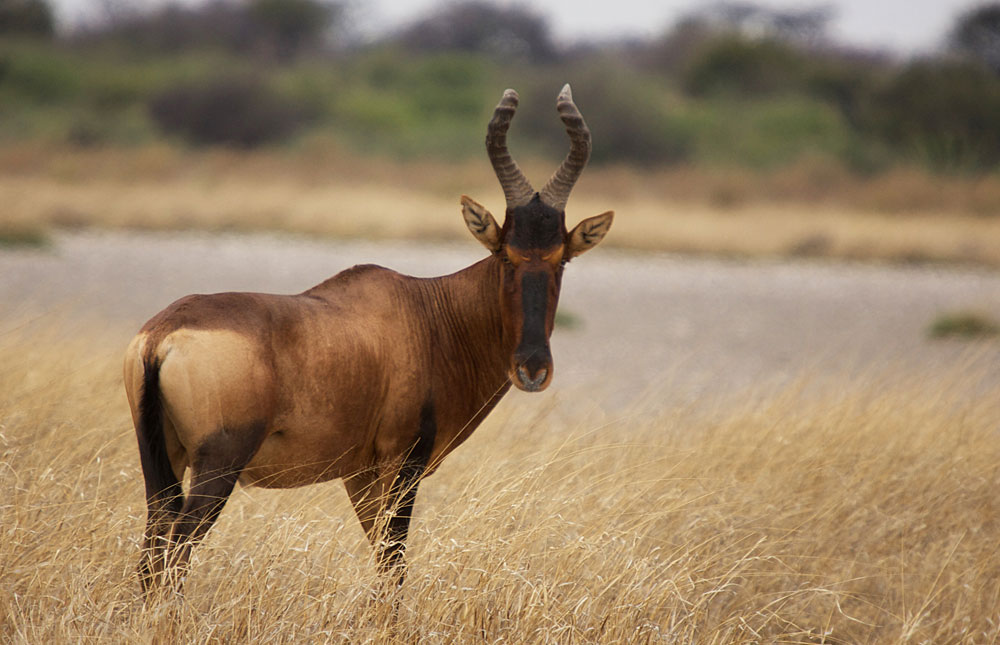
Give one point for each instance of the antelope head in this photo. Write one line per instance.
(533, 245)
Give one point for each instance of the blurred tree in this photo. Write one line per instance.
(502, 32)
(847, 82)
(26, 17)
(806, 26)
(740, 46)
(803, 26)
(976, 34)
(291, 25)
(943, 112)
(744, 66)
(674, 52)
(278, 29)
(172, 28)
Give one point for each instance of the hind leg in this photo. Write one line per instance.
(164, 501)
(215, 467)
(210, 489)
(162, 509)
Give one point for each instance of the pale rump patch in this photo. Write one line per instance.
(212, 381)
(219, 384)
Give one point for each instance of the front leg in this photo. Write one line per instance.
(383, 501)
(384, 497)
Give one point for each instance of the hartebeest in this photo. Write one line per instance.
(370, 376)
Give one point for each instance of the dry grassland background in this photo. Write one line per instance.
(860, 513)
(809, 210)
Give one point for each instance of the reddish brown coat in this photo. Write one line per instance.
(371, 376)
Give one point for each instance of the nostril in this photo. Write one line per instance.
(531, 382)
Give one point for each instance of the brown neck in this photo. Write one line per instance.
(466, 308)
(469, 347)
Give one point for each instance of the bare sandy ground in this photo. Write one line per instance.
(670, 328)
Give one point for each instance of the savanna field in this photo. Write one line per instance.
(774, 417)
(859, 512)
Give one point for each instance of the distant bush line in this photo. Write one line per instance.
(269, 72)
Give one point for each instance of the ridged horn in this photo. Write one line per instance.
(516, 188)
(556, 191)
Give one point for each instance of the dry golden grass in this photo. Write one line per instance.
(863, 515)
(811, 210)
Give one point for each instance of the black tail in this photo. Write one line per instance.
(164, 494)
(161, 483)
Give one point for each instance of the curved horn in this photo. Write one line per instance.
(516, 188)
(556, 191)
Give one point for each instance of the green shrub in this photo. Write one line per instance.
(446, 86)
(23, 235)
(413, 105)
(764, 133)
(964, 324)
(373, 111)
(567, 319)
(40, 74)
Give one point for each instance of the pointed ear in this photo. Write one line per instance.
(588, 233)
(481, 223)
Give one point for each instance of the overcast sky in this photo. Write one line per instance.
(902, 26)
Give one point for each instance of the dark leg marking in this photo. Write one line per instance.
(404, 493)
(210, 489)
(215, 467)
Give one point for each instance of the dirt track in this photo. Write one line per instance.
(682, 327)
